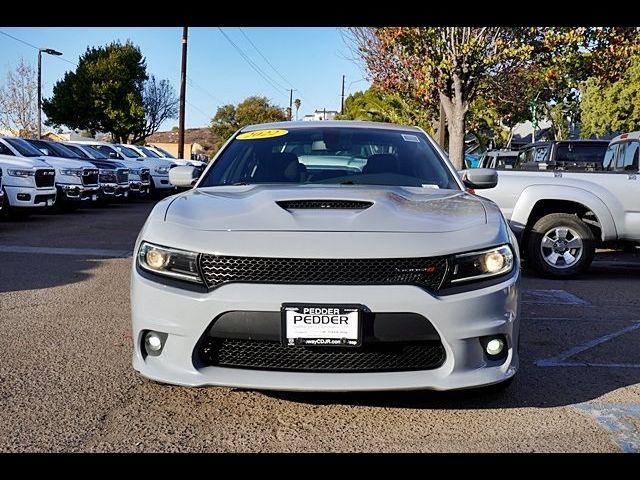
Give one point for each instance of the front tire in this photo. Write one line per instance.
(560, 245)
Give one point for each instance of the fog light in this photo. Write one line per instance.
(154, 342)
(495, 347)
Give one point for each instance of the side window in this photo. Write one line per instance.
(609, 162)
(630, 160)
(541, 154)
(4, 150)
(108, 151)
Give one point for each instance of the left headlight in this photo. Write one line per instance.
(171, 262)
(483, 264)
(72, 172)
(162, 170)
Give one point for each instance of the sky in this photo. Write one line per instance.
(311, 60)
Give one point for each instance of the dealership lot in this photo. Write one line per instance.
(66, 382)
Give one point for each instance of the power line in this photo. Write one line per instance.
(34, 47)
(258, 70)
(203, 90)
(265, 59)
(198, 110)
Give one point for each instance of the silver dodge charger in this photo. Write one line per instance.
(327, 256)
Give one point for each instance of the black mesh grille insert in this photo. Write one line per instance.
(45, 178)
(108, 177)
(270, 355)
(90, 177)
(324, 204)
(426, 272)
(123, 176)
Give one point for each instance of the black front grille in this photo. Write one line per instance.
(324, 204)
(90, 177)
(108, 177)
(45, 178)
(122, 176)
(144, 176)
(426, 272)
(271, 355)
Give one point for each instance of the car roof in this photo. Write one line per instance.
(580, 140)
(626, 136)
(327, 123)
(502, 153)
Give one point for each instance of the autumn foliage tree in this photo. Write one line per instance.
(18, 105)
(441, 64)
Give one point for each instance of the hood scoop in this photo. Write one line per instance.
(324, 204)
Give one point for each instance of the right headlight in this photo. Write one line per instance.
(479, 265)
(170, 262)
(20, 173)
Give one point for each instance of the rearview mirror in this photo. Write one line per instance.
(480, 178)
(183, 176)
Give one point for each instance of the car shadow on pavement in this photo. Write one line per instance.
(533, 387)
(20, 273)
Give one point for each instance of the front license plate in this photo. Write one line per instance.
(50, 202)
(322, 325)
(94, 197)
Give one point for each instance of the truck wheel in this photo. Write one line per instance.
(560, 245)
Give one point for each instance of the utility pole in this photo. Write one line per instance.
(50, 51)
(291, 104)
(342, 102)
(183, 87)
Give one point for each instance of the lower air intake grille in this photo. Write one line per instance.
(374, 357)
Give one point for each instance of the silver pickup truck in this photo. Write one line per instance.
(560, 217)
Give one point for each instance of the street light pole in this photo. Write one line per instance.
(50, 52)
(183, 92)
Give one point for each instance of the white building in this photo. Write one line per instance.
(321, 115)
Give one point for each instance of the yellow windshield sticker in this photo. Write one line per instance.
(261, 134)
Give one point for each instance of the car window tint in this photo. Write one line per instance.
(630, 160)
(4, 150)
(609, 160)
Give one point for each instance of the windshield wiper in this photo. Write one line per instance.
(237, 184)
(347, 182)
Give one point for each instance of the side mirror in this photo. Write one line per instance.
(113, 155)
(480, 178)
(183, 176)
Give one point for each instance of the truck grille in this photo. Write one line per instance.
(108, 177)
(324, 204)
(427, 272)
(272, 355)
(90, 177)
(45, 178)
(123, 175)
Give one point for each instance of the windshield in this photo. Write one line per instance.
(95, 153)
(53, 149)
(148, 153)
(164, 153)
(330, 155)
(78, 151)
(127, 152)
(23, 147)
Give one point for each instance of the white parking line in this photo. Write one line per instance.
(552, 296)
(83, 252)
(619, 419)
(561, 359)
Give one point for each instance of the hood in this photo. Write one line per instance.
(380, 209)
(7, 161)
(59, 162)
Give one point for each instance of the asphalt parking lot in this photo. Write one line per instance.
(66, 382)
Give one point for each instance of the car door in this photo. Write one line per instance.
(627, 187)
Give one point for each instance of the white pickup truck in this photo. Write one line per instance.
(560, 217)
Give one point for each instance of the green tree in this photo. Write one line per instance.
(374, 105)
(104, 94)
(229, 118)
(612, 107)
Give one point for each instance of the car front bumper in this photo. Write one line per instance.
(29, 197)
(138, 188)
(460, 320)
(78, 193)
(161, 182)
(114, 190)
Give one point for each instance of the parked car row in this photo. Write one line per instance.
(40, 174)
